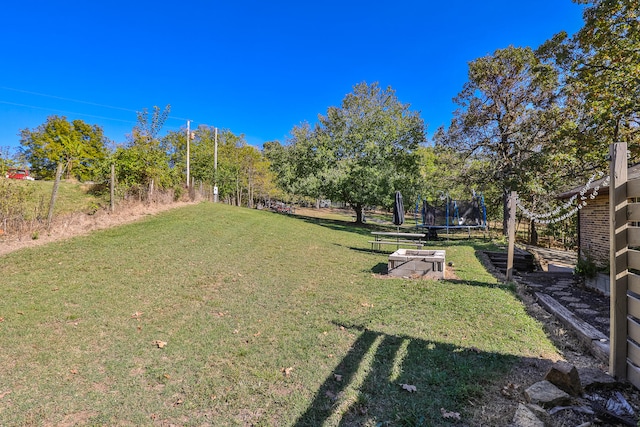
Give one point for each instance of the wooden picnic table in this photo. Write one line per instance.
(396, 238)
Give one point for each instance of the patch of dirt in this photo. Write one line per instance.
(79, 223)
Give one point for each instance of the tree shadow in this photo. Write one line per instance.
(339, 225)
(373, 383)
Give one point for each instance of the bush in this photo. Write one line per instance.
(13, 204)
(586, 267)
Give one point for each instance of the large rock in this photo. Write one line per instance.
(594, 378)
(547, 395)
(524, 417)
(565, 376)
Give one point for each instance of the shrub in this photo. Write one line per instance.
(13, 204)
(586, 267)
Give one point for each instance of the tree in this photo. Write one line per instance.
(58, 145)
(5, 160)
(600, 64)
(607, 66)
(78, 146)
(507, 115)
(295, 165)
(361, 152)
(143, 164)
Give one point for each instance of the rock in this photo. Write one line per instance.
(592, 378)
(565, 376)
(524, 417)
(547, 395)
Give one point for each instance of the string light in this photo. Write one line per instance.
(554, 216)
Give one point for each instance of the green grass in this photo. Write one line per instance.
(259, 312)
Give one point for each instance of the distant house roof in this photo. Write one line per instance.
(632, 173)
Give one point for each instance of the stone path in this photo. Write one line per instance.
(559, 283)
(583, 310)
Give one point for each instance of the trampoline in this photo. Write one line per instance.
(453, 216)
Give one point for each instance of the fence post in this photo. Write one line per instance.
(112, 189)
(511, 226)
(618, 260)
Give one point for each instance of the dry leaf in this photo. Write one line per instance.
(136, 315)
(4, 393)
(287, 371)
(509, 390)
(447, 414)
(337, 377)
(409, 388)
(257, 334)
(159, 344)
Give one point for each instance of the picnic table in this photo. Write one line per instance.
(396, 238)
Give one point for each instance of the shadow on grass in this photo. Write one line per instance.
(335, 224)
(367, 384)
(380, 268)
(351, 226)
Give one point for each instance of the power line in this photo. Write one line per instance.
(65, 112)
(67, 99)
(77, 101)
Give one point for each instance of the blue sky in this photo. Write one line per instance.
(257, 68)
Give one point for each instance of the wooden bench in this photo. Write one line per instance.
(396, 238)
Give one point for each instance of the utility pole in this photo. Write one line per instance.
(215, 167)
(188, 140)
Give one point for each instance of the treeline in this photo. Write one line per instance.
(147, 163)
(536, 121)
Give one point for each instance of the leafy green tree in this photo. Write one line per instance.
(78, 146)
(5, 160)
(601, 64)
(607, 66)
(295, 165)
(242, 171)
(143, 164)
(361, 152)
(507, 115)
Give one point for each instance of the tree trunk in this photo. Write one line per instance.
(359, 213)
(54, 193)
(150, 191)
(533, 237)
(505, 211)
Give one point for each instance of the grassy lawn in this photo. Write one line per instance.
(214, 315)
(72, 197)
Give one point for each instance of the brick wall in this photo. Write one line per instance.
(594, 230)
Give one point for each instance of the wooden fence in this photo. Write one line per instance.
(624, 214)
